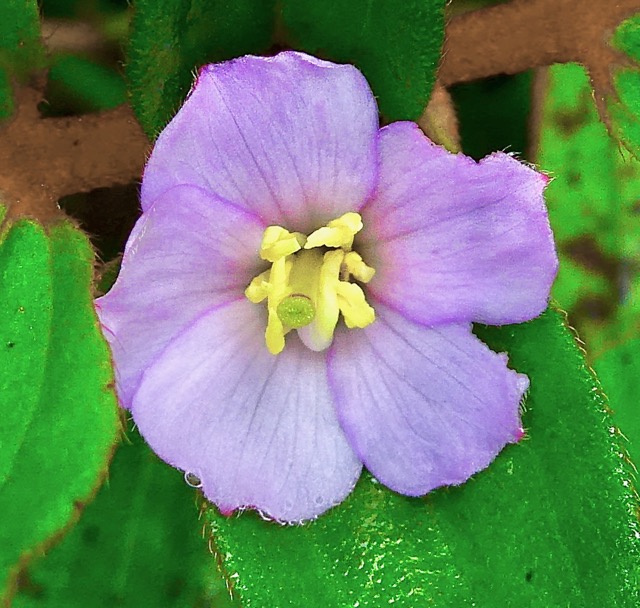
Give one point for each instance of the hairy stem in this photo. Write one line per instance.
(522, 34)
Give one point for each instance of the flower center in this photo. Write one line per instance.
(309, 283)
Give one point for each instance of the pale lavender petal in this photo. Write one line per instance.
(453, 240)
(258, 430)
(289, 137)
(186, 254)
(423, 407)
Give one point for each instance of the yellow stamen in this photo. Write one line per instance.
(337, 233)
(353, 306)
(306, 289)
(357, 268)
(319, 334)
(278, 242)
(277, 290)
(258, 288)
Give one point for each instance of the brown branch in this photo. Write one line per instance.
(522, 34)
(44, 159)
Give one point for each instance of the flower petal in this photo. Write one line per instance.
(258, 430)
(453, 240)
(290, 137)
(187, 253)
(423, 407)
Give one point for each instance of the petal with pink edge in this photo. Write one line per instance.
(423, 407)
(453, 240)
(290, 137)
(186, 254)
(258, 430)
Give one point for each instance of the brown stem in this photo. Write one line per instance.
(44, 159)
(522, 34)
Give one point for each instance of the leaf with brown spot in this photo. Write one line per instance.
(591, 200)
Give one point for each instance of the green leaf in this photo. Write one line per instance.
(170, 39)
(493, 114)
(7, 104)
(20, 45)
(592, 201)
(550, 523)
(395, 44)
(377, 549)
(138, 544)
(624, 106)
(59, 413)
(21, 49)
(619, 372)
(78, 86)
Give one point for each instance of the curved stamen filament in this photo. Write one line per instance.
(307, 288)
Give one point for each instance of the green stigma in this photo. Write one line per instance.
(296, 311)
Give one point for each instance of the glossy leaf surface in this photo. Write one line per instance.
(59, 411)
(558, 502)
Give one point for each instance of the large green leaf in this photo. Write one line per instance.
(550, 523)
(171, 38)
(21, 49)
(59, 413)
(138, 544)
(619, 372)
(592, 201)
(396, 44)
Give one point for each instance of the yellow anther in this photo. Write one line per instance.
(357, 268)
(258, 289)
(307, 288)
(353, 306)
(337, 233)
(278, 243)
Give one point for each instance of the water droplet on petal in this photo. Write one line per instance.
(192, 480)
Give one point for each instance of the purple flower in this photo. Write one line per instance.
(296, 299)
